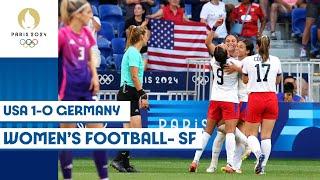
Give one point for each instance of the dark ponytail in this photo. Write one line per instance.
(264, 43)
(221, 56)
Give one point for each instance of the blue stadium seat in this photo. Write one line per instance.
(103, 42)
(107, 10)
(111, 13)
(103, 63)
(106, 30)
(120, 29)
(117, 60)
(298, 21)
(314, 39)
(187, 10)
(94, 2)
(105, 51)
(155, 8)
(95, 10)
(118, 45)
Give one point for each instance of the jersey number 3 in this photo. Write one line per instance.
(81, 54)
(265, 79)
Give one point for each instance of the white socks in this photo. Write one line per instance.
(237, 157)
(216, 148)
(254, 145)
(230, 148)
(205, 138)
(266, 150)
(240, 137)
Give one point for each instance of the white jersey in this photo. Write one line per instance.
(262, 75)
(242, 91)
(225, 86)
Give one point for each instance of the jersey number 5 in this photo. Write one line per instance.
(265, 79)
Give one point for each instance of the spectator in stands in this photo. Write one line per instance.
(172, 12)
(313, 7)
(212, 12)
(281, 6)
(265, 7)
(138, 20)
(196, 6)
(295, 97)
(95, 26)
(287, 96)
(250, 28)
(130, 4)
(163, 3)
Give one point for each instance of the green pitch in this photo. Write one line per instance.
(177, 169)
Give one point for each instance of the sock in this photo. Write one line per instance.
(237, 157)
(216, 148)
(266, 150)
(230, 148)
(240, 137)
(205, 138)
(66, 164)
(100, 159)
(254, 145)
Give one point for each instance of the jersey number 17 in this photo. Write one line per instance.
(265, 78)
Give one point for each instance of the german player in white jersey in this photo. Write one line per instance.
(262, 72)
(223, 104)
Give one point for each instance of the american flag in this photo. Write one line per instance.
(172, 43)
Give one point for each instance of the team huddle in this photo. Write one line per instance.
(243, 98)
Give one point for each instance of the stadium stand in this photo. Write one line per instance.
(111, 13)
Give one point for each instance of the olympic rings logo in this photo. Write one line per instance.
(28, 42)
(106, 79)
(203, 80)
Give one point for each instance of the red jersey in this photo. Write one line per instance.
(250, 27)
(169, 15)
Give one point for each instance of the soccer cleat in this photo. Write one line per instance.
(193, 167)
(262, 172)
(118, 165)
(211, 169)
(258, 169)
(238, 171)
(131, 169)
(228, 169)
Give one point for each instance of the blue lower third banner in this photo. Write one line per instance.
(28, 79)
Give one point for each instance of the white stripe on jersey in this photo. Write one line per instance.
(262, 76)
(225, 86)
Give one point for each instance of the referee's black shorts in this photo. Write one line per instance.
(129, 93)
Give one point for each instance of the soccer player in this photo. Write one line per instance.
(132, 68)
(78, 79)
(262, 72)
(244, 48)
(223, 104)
